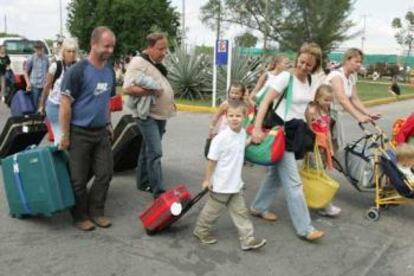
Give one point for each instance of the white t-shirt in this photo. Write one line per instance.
(347, 82)
(227, 148)
(270, 78)
(54, 94)
(302, 94)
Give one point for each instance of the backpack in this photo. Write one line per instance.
(58, 72)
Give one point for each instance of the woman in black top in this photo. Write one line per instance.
(4, 64)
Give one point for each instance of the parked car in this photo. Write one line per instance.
(19, 50)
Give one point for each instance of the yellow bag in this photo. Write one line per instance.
(318, 187)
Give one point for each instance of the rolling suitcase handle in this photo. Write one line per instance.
(19, 184)
(193, 201)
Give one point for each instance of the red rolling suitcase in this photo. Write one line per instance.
(168, 208)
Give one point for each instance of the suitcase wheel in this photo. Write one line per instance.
(150, 232)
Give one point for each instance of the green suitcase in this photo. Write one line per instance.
(37, 182)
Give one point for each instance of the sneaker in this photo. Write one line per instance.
(85, 225)
(101, 221)
(265, 215)
(207, 239)
(314, 235)
(330, 211)
(253, 243)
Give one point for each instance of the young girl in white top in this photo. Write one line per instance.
(236, 93)
(278, 65)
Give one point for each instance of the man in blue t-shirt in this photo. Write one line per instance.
(85, 122)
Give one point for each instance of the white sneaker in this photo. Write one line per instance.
(330, 211)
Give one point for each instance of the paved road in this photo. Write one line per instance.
(353, 245)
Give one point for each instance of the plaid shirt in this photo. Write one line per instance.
(37, 66)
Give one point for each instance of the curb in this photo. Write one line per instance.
(195, 108)
(387, 100)
(371, 103)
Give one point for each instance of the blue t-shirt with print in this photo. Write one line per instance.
(90, 89)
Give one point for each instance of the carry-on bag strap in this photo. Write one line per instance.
(19, 185)
(288, 94)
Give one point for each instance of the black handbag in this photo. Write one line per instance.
(271, 119)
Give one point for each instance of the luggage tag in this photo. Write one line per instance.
(176, 208)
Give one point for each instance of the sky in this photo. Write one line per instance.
(39, 19)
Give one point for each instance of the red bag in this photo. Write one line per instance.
(168, 208)
(270, 150)
(116, 103)
(50, 135)
(19, 82)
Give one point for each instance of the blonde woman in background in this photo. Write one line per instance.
(343, 81)
(50, 99)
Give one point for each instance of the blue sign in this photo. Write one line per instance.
(222, 52)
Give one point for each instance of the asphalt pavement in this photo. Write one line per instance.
(353, 245)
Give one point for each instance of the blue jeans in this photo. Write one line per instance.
(149, 171)
(35, 94)
(52, 113)
(285, 173)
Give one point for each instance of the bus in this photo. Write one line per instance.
(19, 49)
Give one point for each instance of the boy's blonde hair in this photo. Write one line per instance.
(404, 152)
(237, 105)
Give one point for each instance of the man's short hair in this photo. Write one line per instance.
(98, 32)
(38, 45)
(152, 38)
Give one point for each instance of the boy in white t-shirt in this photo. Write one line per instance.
(223, 179)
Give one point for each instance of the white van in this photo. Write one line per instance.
(19, 49)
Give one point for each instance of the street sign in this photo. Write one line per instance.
(222, 52)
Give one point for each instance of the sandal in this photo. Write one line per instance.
(314, 235)
(269, 216)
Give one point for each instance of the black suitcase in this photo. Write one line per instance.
(21, 132)
(126, 144)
